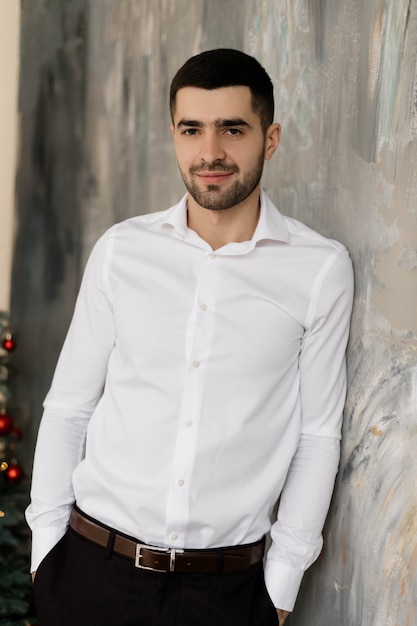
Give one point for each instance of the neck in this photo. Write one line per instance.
(220, 227)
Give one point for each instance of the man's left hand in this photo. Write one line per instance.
(282, 616)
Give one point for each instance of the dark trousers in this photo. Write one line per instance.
(79, 584)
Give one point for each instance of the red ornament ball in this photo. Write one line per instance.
(14, 474)
(6, 424)
(9, 344)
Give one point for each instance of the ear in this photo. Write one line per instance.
(272, 138)
(172, 129)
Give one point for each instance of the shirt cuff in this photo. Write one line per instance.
(43, 540)
(283, 583)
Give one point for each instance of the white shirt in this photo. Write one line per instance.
(196, 386)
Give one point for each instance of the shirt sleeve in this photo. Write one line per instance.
(305, 499)
(76, 388)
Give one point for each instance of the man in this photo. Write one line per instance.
(202, 378)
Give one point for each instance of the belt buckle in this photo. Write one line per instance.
(171, 551)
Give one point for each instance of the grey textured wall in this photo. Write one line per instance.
(95, 148)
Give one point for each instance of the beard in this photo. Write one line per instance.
(212, 197)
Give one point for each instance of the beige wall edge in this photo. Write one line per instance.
(9, 72)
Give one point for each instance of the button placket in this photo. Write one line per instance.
(204, 294)
(198, 352)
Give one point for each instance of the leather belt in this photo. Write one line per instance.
(156, 559)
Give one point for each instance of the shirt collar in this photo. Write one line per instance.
(271, 224)
(176, 216)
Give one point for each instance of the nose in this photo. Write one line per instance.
(211, 148)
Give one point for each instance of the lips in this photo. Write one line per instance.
(213, 178)
(214, 174)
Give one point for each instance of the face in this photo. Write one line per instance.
(220, 145)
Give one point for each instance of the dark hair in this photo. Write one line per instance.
(225, 67)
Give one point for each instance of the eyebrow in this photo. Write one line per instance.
(220, 123)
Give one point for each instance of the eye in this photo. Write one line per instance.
(189, 132)
(234, 132)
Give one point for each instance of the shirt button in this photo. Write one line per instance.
(196, 364)
(174, 536)
(189, 423)
(212, 256)
(181, 483)
(203, 307)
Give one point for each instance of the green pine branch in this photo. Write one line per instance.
(15, 581)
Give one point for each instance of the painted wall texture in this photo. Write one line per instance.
(9, 72)
(96, 148)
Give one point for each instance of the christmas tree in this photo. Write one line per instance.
(15, 583)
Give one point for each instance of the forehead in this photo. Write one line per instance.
(210, 104)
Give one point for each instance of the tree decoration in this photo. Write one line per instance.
(9, 343)
(16, 605)
(6, 423)
(14, 473)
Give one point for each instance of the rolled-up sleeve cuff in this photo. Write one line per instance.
(43, 540)
(283, 583)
